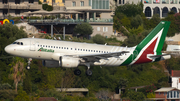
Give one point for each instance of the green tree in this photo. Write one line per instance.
(17, 71)
(173, 28)
(83, 29)
(136, 21)
(99, 39)
(136, 96)
(47, 7)
(22, 95)
(151, 95)
(130, 9)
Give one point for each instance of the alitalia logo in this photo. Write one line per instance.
(45, 50)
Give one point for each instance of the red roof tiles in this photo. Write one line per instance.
(175, 73)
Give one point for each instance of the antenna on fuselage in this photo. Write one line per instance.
(105, 44)
(33, 37)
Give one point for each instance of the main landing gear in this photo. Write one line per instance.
(29, 62)
(88, 71)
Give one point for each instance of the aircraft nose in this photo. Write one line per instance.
(8, 49)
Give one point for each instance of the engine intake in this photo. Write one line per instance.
(69, 62)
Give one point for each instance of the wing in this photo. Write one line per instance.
(97, 57)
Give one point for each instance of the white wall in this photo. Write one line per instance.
(175, 82)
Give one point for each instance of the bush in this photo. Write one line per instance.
(99, 39)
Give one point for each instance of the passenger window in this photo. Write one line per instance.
(43, 45)
(99, 51)
(67, 47)
(51, 46)
(86, 49)
(71, 48)
(40, 45)
(83, 49)
(91, 50)
(54, 46)
(94, 51)
(75, 48)
(78, 49)
(64, 47)
(48, 46)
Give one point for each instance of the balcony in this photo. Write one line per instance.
(70, 21)
(173, 2)
(147, 1)
(20, 6)
(156, 1)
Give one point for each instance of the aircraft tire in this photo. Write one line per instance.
(88, 72)
(28, 67)
(77, 72)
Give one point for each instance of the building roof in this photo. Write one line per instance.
(175, 73)
(72, 89)
(166, 89)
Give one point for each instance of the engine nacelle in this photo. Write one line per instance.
(69, 62)
(48, 63)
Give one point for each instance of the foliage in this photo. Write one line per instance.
(99, 39)
(151, 95)
(47, 7)
(177, 20)
(173, 28)
(22, 96)
(136, 21)
(17, 71)
(130, 9)
(123, 83)
(83, 29)
(136, 96)
(151, 88)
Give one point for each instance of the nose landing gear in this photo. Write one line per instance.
(29, 62)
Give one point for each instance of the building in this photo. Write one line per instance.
(175, 75)
(16, 8)
(152, 7)
(161, 7)
(167, 94)
(57, 4)
(97, 12)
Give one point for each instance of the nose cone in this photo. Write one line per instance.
(8, 49)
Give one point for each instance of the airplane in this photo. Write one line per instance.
(55, 53)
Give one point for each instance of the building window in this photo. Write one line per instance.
(105, 29)
(100, 4)
(63, 1)
(98, 28)
(53, 1)
(44, 0)
(73, 3)
(89, 2)
(17, 12)
(82, 3)
(31, 1)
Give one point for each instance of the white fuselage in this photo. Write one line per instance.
(52, 49)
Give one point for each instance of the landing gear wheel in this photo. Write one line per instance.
(77, 72)
(89, 72)
(28, 67)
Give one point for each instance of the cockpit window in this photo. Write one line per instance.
(14, 42)
(18, 43)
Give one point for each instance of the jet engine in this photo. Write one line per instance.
(69, 62)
